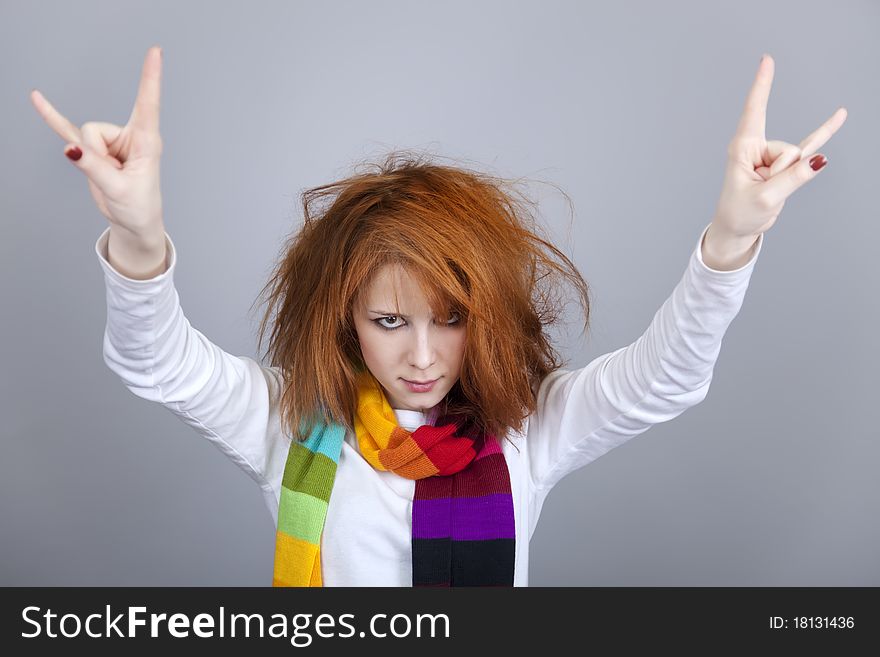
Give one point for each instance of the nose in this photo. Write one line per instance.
(422, 353)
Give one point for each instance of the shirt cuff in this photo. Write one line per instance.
(732, 272)
(131, 283)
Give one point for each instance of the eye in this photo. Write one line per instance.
(379, 321)
(382, 326)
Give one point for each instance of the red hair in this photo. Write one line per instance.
(469, 241)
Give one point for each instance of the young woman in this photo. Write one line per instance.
(414, 415)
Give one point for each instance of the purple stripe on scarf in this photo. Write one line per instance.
(476, 518)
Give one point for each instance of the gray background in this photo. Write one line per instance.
(627, 106)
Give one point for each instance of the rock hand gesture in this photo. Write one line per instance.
(121, 163)
(760, 175)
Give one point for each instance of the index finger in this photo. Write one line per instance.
(64, 128)
(145, 114)
(753, 122)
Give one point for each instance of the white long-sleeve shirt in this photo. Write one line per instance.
(232, 401)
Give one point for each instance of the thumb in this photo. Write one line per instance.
(97, 169)
(783, 184)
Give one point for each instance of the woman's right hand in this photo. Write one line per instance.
(121, 164)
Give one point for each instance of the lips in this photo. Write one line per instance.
(420, 387)
(420, 383)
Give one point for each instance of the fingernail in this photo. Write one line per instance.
(818, 161)
(74, 153)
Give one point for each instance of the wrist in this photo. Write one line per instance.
(138, 257)
(724, 252)
(142, 238)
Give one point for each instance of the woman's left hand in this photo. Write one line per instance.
(762, 174)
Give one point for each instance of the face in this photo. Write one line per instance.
(408, 344)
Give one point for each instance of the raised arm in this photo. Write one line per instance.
(148, 342)
(584, 413)
(152, 347)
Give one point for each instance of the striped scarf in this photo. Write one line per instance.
(462, 511)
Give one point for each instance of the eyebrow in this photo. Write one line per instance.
(388, 312)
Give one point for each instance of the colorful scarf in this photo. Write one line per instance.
(462, 512)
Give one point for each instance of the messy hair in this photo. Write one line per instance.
(469, 240)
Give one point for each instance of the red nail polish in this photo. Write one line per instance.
(74, 153)
(817, 162)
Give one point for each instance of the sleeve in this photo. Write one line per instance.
(584, 413)
(230, 400)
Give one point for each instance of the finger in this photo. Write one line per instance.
(776, 156)
(62, 127)
(753, 121)
(98, 169)
(110, 133)
(816, 139)
(779, 188)
(780, 155)
(98, 136)
(145, 114)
